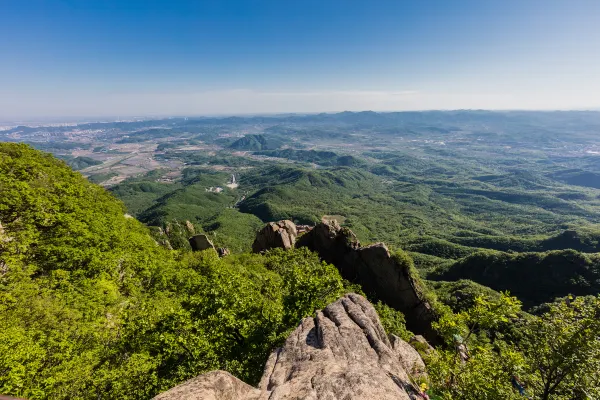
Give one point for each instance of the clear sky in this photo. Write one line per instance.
(204, 57)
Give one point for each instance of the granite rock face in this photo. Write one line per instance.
(281, 234)
(342, 353)
(214, 385)
(379, 273)
(201, 242)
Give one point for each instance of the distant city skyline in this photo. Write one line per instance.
(100, 58)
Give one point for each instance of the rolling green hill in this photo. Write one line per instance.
(323, 158)
(256, 143)
(535, 278)
(92, 307)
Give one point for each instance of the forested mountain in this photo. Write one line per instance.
(94, 304)
(255, 143)
(92, 307)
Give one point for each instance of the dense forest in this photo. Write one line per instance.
(93, 307)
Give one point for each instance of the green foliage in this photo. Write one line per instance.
(584, 239)
(323, 158)
(103, 177)
(256, 142)
(485, 316)
(393, 321)
(92, 307)
(233, 229)
(554, 356)
(426, 263)
(461, 295)
(225, 314)
(486, 375)
(563, 350)
(487, 370)
(440, 248)
(579, 178)
(534, 278)
(70, 262)
(78, 163)
(141, 193)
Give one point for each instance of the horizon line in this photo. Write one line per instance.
(127, 118)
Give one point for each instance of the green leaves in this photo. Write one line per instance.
(485, 315)
(556, 355)
(563, 349)
(92, 307)
(486, 375)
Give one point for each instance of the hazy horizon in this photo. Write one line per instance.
(92, 59)
(70, 119)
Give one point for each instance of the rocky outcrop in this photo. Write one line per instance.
(201, 242)
(381, 275)
(281, 234)
(223, 251)
(341, 353)
(190, 227)
(214, 385)
(303, 228)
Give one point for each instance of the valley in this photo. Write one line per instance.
(490, 223)
(438, 183)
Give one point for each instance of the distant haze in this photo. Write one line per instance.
(124, 58)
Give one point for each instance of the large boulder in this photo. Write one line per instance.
(380, 274)
(341, 353)
(201, 242)
(281, 234)
(214, 385)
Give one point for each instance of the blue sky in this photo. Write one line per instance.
(119, 57)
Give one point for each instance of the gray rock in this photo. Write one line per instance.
(409, 357)
(281, 234)
(201, 242)
(190, 227)
(214, 385)
(223, 251)
(377, 271)
(341, 353)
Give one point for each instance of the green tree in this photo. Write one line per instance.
(486, 315)
(562, 348)
(477, 365)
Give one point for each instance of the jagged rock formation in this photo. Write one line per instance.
(379, 273)
(341, 353)
(190, 227)
(201, 242)
(280, 234)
